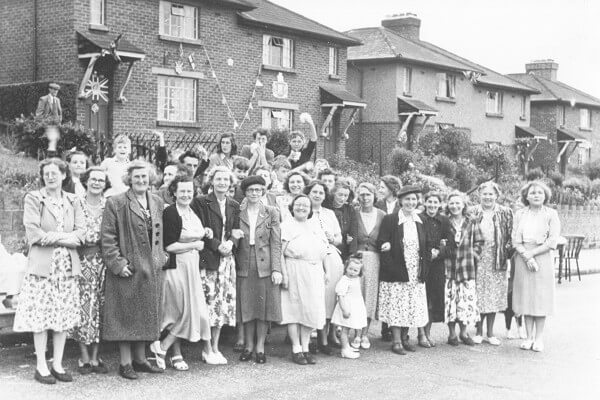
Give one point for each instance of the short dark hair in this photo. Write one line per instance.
(71, 154)
(435, 194)
(233, 144)
(177, 180)
(86, 175)
(188, 153)
(291, 205)
(62, 167)
(262, 132)
(286, 184)
(241, 163)
(314, 183)
(327, 171)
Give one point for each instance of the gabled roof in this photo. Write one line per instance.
(272, 16)
(555, 90)
(381, 43)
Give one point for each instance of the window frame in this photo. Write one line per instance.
(334, 61)
(449, 82)
(407, 87)
(523, 107)
(162, 101)
(166, 28)
(267, 54)
(497, 104)
(587, 119)
(102, 13)
(269, 110)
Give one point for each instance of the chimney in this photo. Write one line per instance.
(406, 24)
(543, 68)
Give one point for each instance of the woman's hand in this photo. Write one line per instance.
(50, 238)
(225, 248)
(434, 253)
(198, 245)
(330, 237)
(237, 234)
(386, 247)
(349, 238)
(276, 278)
(125, 272)
(346, 314)
(208, 233)
(527, 255)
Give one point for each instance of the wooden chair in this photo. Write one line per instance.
(571, 252)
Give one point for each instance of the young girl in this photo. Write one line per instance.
(116, 167)
(350, 311)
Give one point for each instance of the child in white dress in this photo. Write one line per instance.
(116, 167)
(350, 311)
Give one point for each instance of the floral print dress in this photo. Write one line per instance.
(52, 302)
(91, 281)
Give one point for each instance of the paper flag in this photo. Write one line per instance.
(259, 83)
(223, 100)
(250, 107)
(214, 74)
(235, 124)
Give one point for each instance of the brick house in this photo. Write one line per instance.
(569, 117)
(412, 85)
(185, 66)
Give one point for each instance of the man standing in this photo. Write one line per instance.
(49, 107)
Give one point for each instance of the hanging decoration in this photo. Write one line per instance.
(96, 88)
(192, 63)
(280, 87)
(258, 84)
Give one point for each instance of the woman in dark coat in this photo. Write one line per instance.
(437, 228)
(132, 248)
(342, 197)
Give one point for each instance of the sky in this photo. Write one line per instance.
(502, 35)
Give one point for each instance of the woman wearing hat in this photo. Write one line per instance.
(258, 262)
(404, 266)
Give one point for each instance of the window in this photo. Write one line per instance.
(446, 85)
(562, 115)
(178, 20)
(585, 118)
(97, 12)
(493, 103)
(523, 107)
(278, 52)
(273, 118)
(407, 80)
(176, 99)
(333, 61)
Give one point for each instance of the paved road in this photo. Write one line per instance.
(568, 369)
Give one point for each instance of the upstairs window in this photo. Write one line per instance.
(562, 115)
(178, 20)
(278, 51)
(97, 12)
(523, 107)
(493, 103)
(446, 85)
(176, 99)
(333, 61)
(585, 118)
(277, 118)
(407, 80)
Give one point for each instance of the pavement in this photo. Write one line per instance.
(567, 369)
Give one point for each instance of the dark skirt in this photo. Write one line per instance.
(258, 298)
(435, 284)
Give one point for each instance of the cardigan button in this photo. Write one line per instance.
(156, 242)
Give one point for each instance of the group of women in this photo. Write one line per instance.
(132, 270)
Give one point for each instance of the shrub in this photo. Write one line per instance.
(556, 177)
(360, 172)
(22, 99)
(279, 141)
(18, 172)
(445, 167)
(401, 160)
(579, 183)
(535, 174)
(592, 169)
(467, 175)
(489, 158)
(426, 182)
(451, 142)
(595, 188)
(31, 137)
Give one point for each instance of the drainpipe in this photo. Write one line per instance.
(35, 39)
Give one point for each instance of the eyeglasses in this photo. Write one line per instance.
(254, 190)
(94, 180)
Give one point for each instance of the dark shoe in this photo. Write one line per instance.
(398, 349)
(453, 341)
(310, 359)
(46, 380)
(246, 355)
(325, 349)
(84, 368)
(299, 358)
(146, 367)
(101, 368)
(261, 358)
(467, 340)
(312, 347)
(386, 336)
(238, 347)
(408, 347)
(334, 343)
(127, 372)
(63, 377)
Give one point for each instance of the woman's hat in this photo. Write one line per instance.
(252, 180)
(409, 189)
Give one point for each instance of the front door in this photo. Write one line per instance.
(96, 107)
(333, 136)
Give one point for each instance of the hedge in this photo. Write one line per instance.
(22, 98)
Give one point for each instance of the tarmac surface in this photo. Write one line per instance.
(569, 368)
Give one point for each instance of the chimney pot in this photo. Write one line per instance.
(407, 25)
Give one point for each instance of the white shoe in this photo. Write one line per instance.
(494, 341)
(526, 345)
(349, 353)
(511, 334)
(356, 342)
(221, 359)
(538, 346)
(210, 359)
(477, 339)
(159, 354)
(365, 343)
(522, 332)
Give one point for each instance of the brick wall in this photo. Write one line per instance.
(544, 119)
(16, 44)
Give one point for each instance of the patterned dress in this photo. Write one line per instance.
(50, 303)
(492, 284)
(405, 303)
(91, 281)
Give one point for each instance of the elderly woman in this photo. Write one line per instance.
(324, 219)
(461, 254)
(304, 247)
(294, 185)
(536, 232)
(365, 231)
(437, 228)
(342, 195)
(221, 214)
(91, 283)
(258, 262)
(226, 151)
(184, 314)
(132, 248)
(404, 266)
(496, 223)
(49, 297)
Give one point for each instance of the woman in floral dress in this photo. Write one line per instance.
(404, 265)
(496, 224)
(91, 282)
(49, 297)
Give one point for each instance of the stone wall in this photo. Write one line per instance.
(11, 219)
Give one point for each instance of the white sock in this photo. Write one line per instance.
(297, 348)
